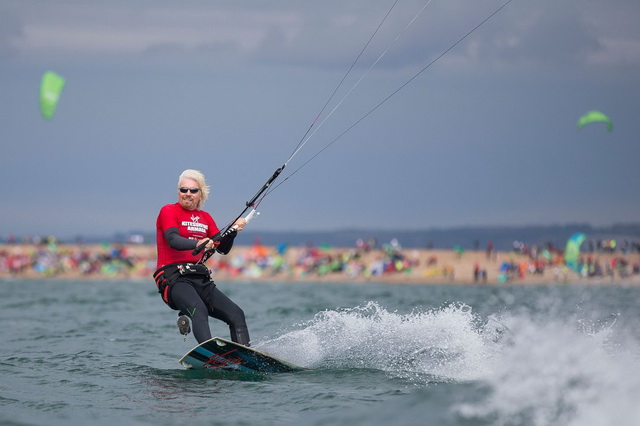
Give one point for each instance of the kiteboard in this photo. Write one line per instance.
(222, 354)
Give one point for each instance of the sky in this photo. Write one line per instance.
(442, 130)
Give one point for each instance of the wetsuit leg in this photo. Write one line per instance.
(187, 300)
(224, 309)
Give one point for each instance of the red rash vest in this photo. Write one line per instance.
(192, 224)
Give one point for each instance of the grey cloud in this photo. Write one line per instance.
(550, 40)
(11, 31)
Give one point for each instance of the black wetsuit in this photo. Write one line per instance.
(199, 298)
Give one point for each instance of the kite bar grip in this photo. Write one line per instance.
(253, 213)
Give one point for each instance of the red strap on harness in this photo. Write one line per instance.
(165, 295)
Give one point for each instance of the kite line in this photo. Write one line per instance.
(266, 189)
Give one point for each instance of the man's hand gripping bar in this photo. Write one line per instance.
(221, 235)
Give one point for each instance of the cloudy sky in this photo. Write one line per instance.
(486, 135)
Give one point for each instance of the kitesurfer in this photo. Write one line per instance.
(184, 283)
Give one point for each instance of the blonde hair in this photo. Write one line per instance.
(202, 184)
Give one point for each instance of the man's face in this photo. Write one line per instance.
(186, 196)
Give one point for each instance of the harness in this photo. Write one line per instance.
(168, 275)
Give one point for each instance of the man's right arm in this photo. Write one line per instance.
(178, 242)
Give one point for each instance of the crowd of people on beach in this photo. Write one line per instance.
(365, 260)
(535, 261)
(50, 259)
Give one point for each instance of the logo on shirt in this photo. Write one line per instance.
(195, 225)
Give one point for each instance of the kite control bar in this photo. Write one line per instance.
(220, 235)
(249, 204)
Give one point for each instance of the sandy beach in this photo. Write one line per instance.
(263, 263)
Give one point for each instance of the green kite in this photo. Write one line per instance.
(50, 90)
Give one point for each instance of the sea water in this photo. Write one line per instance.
(77, 353)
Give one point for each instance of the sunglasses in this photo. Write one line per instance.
(192, 190)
